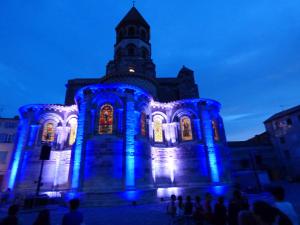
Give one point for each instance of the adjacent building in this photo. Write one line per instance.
(128, 130)
(284, 131)
(8, 131)
(254, 162)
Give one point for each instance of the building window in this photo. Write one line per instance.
(143, 124)
(10, 125)
(73, 130)
(131, 50)
(215, 130)
(144, 53)
(48, 132)
(3, 156)
(186, 129)
(106, 119)
(258, 160)
(7, 138)
(244, 163)
(157, 128)
(143, 34)
(287, 154)
(282, 140)
(289, 122)
(131, 31)
(3, 138)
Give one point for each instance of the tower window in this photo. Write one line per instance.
(144, 53)
(143, 34)
(131, 50)
(289, 121)
(120, 35)
(131, 31)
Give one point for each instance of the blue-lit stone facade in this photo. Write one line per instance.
(125, 131)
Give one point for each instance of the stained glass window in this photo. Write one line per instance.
(215, 130)
(186, 129)
(157, 128)
(143, 124)
(73, 131)
(106, 119)
(48, 132)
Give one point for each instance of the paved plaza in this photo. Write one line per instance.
(146, 214)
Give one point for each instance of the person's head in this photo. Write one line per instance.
(237, 194)
(188, 198)
(221, 199)
(208, 197)
(265, 212)
(197, 198)
(247, 218)
(13, 210)
(180, 198)
(74, 203)
(44, 217)
(173, 198)
(278, 193)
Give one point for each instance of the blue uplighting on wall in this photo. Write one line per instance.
(212, 159)
(198, 128)
(78, 145)
(130, 133)
(23, 127)
(33, 133)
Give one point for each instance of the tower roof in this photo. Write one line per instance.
(133, 17)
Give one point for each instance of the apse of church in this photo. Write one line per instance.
(128, 130)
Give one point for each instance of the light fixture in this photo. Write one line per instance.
(131, 70)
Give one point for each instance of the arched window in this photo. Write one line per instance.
(144, 53)
(143, 34)
(106, 119)
(48, 132)
(157, 128)
(186, 129)
(143, 124)
(73, 130)
(215, 130)
(131, 50)
(131, 31)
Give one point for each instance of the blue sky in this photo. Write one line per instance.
(245, 54)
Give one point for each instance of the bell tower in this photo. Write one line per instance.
(132, 50)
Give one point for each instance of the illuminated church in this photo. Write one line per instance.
(128, 130)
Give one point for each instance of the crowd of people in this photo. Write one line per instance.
(195, 211)
(238, 211)
(73, 217)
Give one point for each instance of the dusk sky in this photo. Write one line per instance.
(245, 54)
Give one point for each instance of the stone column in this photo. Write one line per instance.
(77, 157)
(15, 163)
(210, 146)
(197, 129)
(93, 121)
(130, 128)
(34, 128)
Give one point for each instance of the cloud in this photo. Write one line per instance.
(242, 57)
(240, 116)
